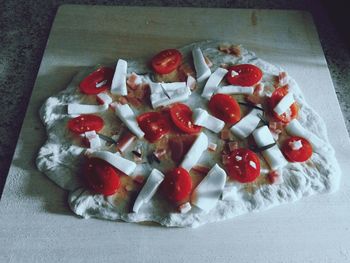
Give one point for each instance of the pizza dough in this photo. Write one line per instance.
(62, 156)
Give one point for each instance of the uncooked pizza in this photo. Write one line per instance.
(196, 135)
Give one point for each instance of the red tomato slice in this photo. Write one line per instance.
(301, 155)
(248, 75)
(84, 123)
(177, 184)
(166, 61)
(181, 115)
(101, 177)
(240, 165)
(276, 97)
(154, 125)
(225, 108)
(98, 81)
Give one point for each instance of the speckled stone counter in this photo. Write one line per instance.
(25, 26)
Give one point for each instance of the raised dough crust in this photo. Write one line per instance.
(60, 159)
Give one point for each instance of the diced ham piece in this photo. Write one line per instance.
(254, 99)
(212, 147)
(273, 177)
(225, 134)
(258, 89)
(224, 65)
(134, 81)
(184, 71)
(185, 208)
(122, 100)
(200, 169)
(125, 141)
(139, 179)
(232, 49)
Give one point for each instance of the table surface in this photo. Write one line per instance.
(35, 223)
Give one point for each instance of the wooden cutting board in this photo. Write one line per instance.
(36, 224)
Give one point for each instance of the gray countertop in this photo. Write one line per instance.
(25, 26)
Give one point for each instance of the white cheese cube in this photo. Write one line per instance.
(114, 159)
(235, 90)
(284, 103)
(195, 152)
(247, 124)
(77, 109)
(118, 86)
(202, 118)
(174, 92)
(209, 190)
(213, 82)
(149, 189)
(273, 155)
(202, 69)
(126, 115)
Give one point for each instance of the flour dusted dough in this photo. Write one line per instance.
(61, 157)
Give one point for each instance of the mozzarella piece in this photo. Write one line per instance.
(149, 189)
(177, 91)
(202, 69)
(77, 109)
(203, 118)
(284, 103)
(125, 113)
(114, 159)
(118, 86)
(195, 152)
(209, 190)
(294, 128)
(247, 124)
(235, 90)
(105, 98)
(94, 139)
(212, 84)
(185, 208)
(273, 155)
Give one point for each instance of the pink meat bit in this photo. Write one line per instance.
(273, 177)
(212, 147)
(201, 169)
(254, 99)
(122, 100)
(232, 50)
(224, 65)
(139, 179)
(225, 134)
(134, 81)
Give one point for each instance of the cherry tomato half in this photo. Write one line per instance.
(154, 125)
(84, 123)
(248, 75)
(225, 108)
(243, 165)
(181, 115)
(166, 61)
(101, 177)
(177, 184)
(300, 155)
(276, 97)
(98, 81)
